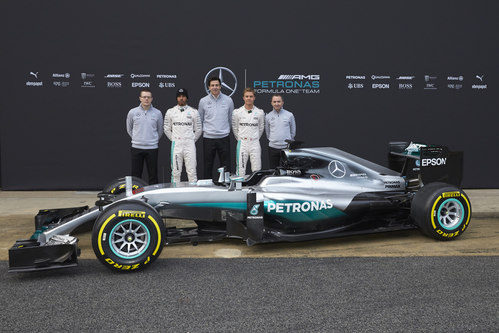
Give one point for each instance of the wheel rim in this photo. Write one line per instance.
(450, 214)
(129, 239)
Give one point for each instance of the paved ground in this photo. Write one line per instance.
(418, 294)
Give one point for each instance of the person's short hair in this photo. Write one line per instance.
(277, 95)
(214, 78)
(249, 89)
(146, 90)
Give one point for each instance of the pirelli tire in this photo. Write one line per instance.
(118, 186)
(441, 211)
(128, 236)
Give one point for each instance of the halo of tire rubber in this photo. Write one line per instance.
(122, 225)
(118, 186)
(433, 203)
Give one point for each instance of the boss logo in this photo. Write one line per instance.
(434, 161)
(293, 172)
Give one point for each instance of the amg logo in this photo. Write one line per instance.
(131, 213)
(298, 207)
(299, 77)
(434, 161)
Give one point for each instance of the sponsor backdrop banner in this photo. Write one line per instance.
(355, 74)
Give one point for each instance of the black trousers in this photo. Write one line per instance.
(150, 156)
(212, 147)
(274, 157)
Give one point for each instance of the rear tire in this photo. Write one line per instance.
(118, 186)
(441, 211)
(128, 236)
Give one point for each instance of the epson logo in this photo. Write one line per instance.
(380, 85)
(140, 84)
(298, 207)
(299, 77)
(434, 161)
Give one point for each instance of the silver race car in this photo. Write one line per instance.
(316, 193)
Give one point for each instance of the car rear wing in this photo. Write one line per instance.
(426, 163)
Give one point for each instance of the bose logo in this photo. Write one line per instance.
(434, 161)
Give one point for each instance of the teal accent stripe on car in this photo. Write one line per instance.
(226, 205)
(315, 215)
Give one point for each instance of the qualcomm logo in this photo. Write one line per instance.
(337, 169)
(226, 76)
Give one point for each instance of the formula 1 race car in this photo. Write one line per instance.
(316, 193)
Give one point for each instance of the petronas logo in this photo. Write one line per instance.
(254, 210)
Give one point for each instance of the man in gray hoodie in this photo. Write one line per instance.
(144, 124)
(279, 126)
(215, 111)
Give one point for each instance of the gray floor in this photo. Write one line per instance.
(443, 294)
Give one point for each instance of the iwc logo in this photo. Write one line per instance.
(226, 76)
(337, 169)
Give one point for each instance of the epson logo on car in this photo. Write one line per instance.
(298, 207)
(434, 161)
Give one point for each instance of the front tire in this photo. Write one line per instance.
(441, 211)
(128, 236)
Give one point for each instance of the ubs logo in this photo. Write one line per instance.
(226, 76)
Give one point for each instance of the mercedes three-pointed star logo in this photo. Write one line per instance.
(226, 76)
(337, 169)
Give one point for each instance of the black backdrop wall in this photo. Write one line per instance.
(356, 74)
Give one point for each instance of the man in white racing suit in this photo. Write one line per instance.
(183, 127)
(248, 124)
